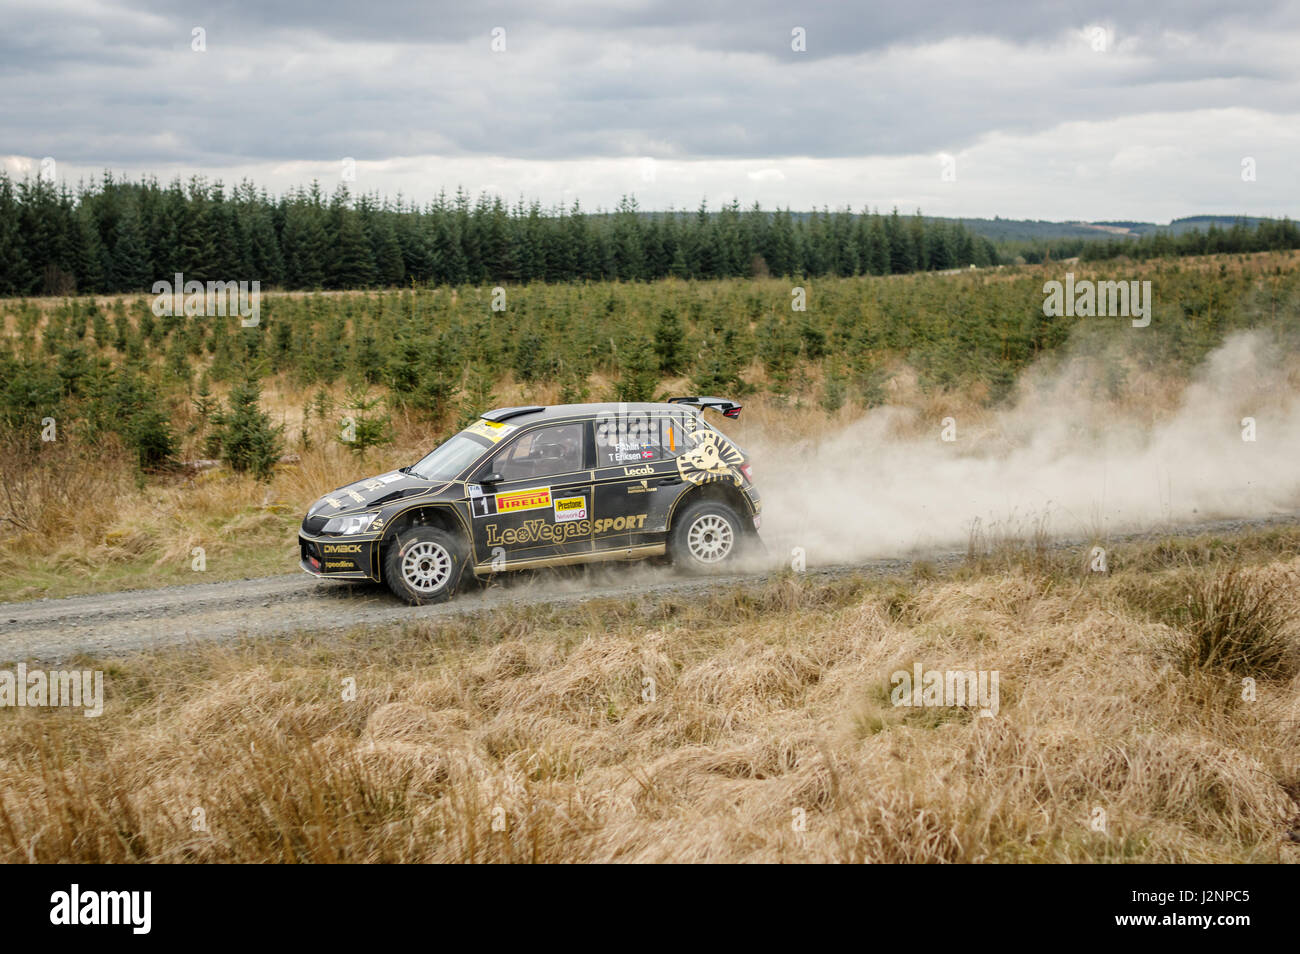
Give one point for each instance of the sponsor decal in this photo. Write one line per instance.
(538, 530)
(711, 458)
(356, 496)
(492, 430)
(334, 502)
(615, 524)
(623, 452)
(638, 471)
(339, 565)
(570, 508)
(374, 483)
(534, 498)
(642, 486)
(341, 548)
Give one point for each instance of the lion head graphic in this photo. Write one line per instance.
(712, 457)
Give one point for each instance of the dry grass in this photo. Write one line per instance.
(532, 735)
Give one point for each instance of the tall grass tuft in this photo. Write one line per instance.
(1235, 621)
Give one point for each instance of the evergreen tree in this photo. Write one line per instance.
(16, 277)
(390, 268)
(128, 268)
(87, 253)
(304, 246)
(670, 342)
(354, 267)
(902, 253)
(638, 371)
(247, 439)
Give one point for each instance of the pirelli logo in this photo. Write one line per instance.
(535, 498)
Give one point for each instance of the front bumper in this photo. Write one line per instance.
(338, 558)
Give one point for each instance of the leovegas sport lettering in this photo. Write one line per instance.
(539, 531)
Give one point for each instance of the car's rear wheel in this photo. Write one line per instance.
(704, 537)
(424, 565)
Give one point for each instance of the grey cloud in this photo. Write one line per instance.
(118, 84)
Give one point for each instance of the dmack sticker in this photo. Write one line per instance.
(331, 548)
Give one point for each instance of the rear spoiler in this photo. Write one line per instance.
(726, 408)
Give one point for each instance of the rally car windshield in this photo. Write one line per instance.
(448, 459)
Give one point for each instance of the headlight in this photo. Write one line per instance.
(352, 523)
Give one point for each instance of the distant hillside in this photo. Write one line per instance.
(1000, 230)
(1028, 230)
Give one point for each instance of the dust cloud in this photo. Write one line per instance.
(1069, 455)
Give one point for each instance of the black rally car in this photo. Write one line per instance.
(526, 487)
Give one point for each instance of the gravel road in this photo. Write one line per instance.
(132, 620)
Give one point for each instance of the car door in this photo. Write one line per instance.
(539, 507)
(636, 479)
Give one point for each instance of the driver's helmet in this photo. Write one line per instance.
(562, 443)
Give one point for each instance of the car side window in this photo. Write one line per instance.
(637, 440)
(543, 452)
(674, 432)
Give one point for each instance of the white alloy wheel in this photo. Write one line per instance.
(426, 566)
(710, 538)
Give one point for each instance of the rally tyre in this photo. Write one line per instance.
(424, 565)
(705, 537)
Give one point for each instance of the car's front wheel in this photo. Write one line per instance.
(424, 565)
(704, 537)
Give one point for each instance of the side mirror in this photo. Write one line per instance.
(492, 478)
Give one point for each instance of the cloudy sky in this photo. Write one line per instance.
(1055, 110)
